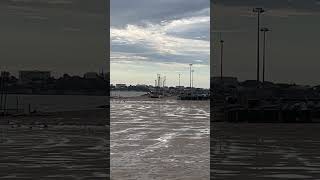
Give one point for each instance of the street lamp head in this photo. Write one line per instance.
(258, 10)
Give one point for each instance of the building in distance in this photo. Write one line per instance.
(225, 80)
(91, 75)
(121, 86)
(5, 74)
(29, 76)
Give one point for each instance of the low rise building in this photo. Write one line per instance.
(119, 86)
(91, 75)
(29, 76)
(227, 81)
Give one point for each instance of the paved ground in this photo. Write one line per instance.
(154, 139)
(265, 151)
(30, 150)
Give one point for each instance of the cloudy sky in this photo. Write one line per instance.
(63, 36)
(293, 43)
(150, 37)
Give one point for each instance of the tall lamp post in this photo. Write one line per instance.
(190, 74)
(1, 90)
(258, 11)
(192, 78)
(264, 30)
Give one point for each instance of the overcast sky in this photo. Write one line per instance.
(150, 37)
(293, 43)
(63, 36)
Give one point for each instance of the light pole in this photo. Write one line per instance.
(221, 54)
(179, 80)
(258, 11)
(192, 78)
(264, 30)
(1, 89)
(190, 74)
(158, 77)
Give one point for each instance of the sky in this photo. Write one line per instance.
(150, 37)
(292, 52)
(62, 36)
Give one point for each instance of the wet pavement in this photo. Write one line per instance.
(56, 152)
(165, 139)
(265, 151)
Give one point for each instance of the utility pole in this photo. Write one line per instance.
(258, 11)
(264, 30)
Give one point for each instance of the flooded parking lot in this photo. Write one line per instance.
(152, 139)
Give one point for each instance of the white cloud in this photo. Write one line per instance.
(139, 52)
(117, 57)
(156, 37)
(185, 24)
(155, 66)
